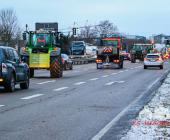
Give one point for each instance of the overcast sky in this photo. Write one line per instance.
(133, 17)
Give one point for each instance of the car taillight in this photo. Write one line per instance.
(63, 61)
(159, 59)
(146, 59)
(4, 68)
(116, 60)
(24, 48)
(55, 49)
(98, 60)
(128, 55)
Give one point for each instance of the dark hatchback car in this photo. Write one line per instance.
(12, 70)
(126, 56)
(66, 62)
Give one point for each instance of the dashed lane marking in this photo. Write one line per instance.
(114, 82)
(131, 68)
(2, 105)
(120, 71)
(58, 89)
(113, 73)
(33, 96)
(94, 79)
(105, 76)
(79, 83)
(46, 82)
(126, 70)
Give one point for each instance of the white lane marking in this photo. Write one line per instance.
(114, 82)
(135, 67)
(113, 73)
(120, 71)
(46, 82)
(110, 124)
(126, 70)
(79, 83)
(105, 76)
(94, 79)
(33, 96)
(131, 68)
(2, 105)
(58, 89)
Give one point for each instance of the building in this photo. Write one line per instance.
(161, 38)
(135, 37)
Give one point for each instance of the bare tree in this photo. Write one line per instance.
(9, 26)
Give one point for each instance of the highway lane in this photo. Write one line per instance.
(76, 106)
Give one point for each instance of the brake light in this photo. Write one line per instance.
(159, 59)
(55, 49)
(63, 61)
(54, 53)
(1, 80)
(116, 60)
(122, 53)
(24, 53)
(98, 60)
(146, 59)
(132, 51)
(24, 48)
(128, 55)
(4, 68)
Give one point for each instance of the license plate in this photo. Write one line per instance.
(153, 60)
(125, 58)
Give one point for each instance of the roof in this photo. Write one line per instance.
(153, 54)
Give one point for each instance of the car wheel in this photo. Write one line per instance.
(145, 67)
(11, 86)
(71, 68)
(26, 84)
(161, 67)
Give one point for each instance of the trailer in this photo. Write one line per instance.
(109, 54)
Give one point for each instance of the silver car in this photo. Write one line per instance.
(153, 60)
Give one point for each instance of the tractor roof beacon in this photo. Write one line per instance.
(43, 49)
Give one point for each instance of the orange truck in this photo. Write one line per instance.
(109, 54)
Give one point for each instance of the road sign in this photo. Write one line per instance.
(74, 31)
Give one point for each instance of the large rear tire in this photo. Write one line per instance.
(133, 60)
(55, 67)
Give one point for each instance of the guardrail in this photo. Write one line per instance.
(83, 60)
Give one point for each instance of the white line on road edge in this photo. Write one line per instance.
(46, 82)
(60, 88)
(33, 96)
(131, 68)
(79, 83)
(105, 75)
(94, 79)
(2, 105)
(113, 73)
(135, 67)
(110, 124)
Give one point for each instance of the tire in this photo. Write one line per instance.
(11, 86)
(71, 68)
(161, 67)
(26, 84)
(133, 60)
(55, 66)
(145, 67)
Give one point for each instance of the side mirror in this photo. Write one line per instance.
(23, 59)
(24, 36)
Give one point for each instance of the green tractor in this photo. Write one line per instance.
(139, 51)
(43, 49)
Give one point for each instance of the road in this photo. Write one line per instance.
(84, 104)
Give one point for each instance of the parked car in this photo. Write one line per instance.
(12, 70)
(153, 60)
(66, 62)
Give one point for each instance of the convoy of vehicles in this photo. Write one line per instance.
(66, 62)
(139, 51)
(153, 60)
(42, 50)
(12, 70)
(109, 54)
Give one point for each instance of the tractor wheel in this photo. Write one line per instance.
(133, 60)
(55, 67)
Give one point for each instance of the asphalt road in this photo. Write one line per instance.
(84, 104)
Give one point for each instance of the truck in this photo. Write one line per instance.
(139, 51)
(109, 54)
(94, 51)
(42, 49)
(79, 49)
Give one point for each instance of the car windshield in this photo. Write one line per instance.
(93, 49)
(40, 40)
(78, 44)
(78, 48)
(110, 42)
(142, 47)
(152, 56)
